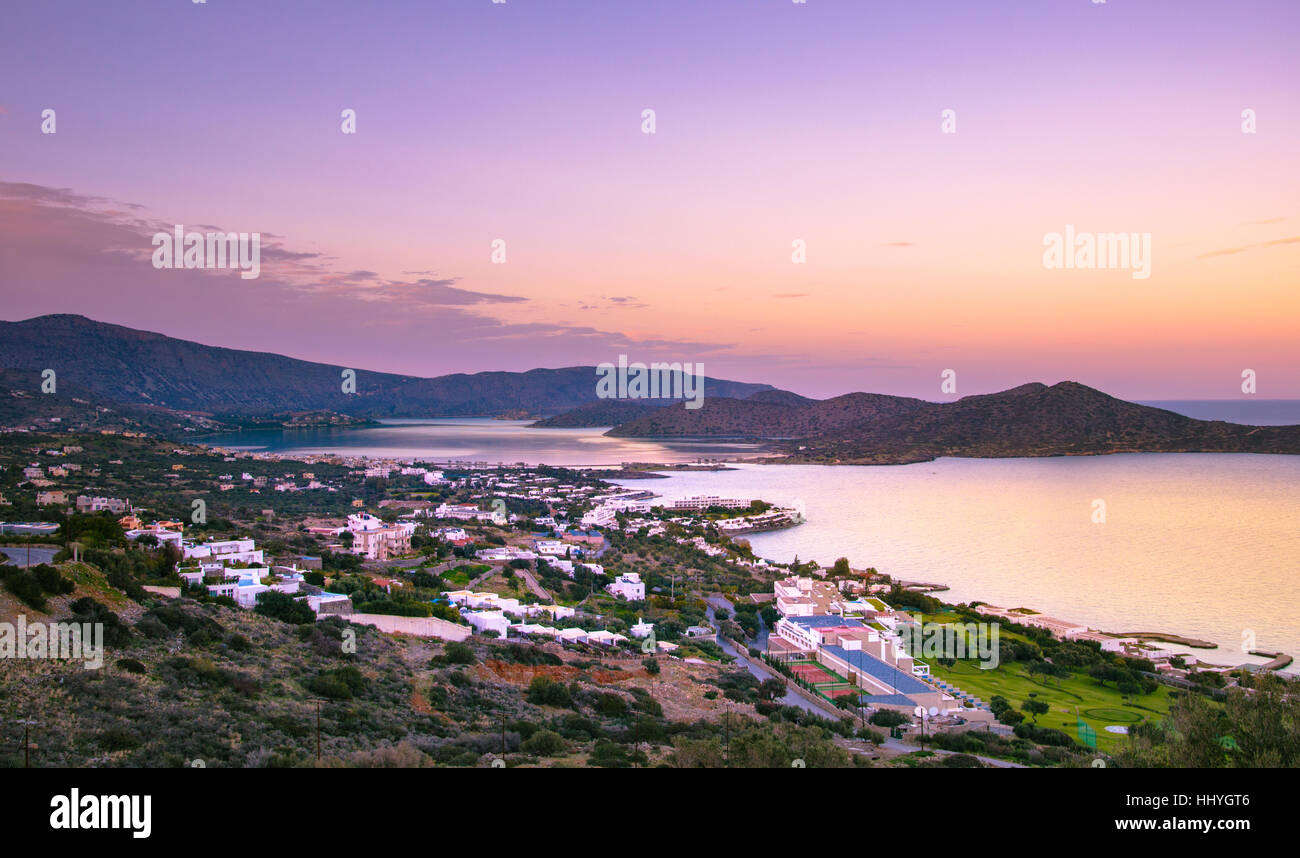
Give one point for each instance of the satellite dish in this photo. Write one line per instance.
(920, 711)
(934, 710)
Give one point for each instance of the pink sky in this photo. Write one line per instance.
(775, 122)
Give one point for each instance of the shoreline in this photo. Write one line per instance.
(647, 471)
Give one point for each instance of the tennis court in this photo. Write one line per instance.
(825, 682)
(811, 673)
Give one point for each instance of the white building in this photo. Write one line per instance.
(557, 612)
(488, 621)
(565, 566)
(604, 638)
(699, 503)
(164, 537)
(469, 512)
(628, 586)
(551, 547)
(225, 551)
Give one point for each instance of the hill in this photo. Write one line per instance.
(604, 412)
(140, 367)
(74, 407)
(779, 415)
(1030, 420)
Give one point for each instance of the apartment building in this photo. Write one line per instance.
(376, 539)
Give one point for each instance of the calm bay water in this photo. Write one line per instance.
(1202, 545)
(480, 439)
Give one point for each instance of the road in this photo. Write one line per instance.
(40, 554)
(793, 699)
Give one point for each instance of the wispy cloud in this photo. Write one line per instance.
(70, 252)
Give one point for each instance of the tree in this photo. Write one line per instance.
(888, 718)
(1035, 708)
(1011, 717)
(1129, 689)
(283, 607)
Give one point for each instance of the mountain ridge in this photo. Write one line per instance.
(144, 367)
(1035, 419)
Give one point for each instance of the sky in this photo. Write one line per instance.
(774, 122)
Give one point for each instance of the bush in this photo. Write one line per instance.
(458, 652)
(342, 683)
(131, 665)
(26, 588)
(118, 739)
(544, 691)
(544, 743)
(51, 581)
(1011, 717)
(87, 610)
(651, 666)
(961, 761)
(611, 705)
(1044, 735)
(888, 718)
(285, 608)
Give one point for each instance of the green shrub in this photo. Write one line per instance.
(888, 718)
(544, 691)
(544, 743)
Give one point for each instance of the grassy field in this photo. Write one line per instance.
(1099, 706)
(460, 576)
(948, 617)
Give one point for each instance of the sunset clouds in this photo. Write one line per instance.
(774, 122)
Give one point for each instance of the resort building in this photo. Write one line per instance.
(699, 503)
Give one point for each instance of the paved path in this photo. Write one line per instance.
(538, 589)
(904, 748)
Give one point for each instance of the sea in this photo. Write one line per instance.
(1202, 545)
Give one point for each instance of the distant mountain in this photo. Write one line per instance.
(1031, 420)
(130, 366)
(637, 413)
(774, 414)
(780, 397)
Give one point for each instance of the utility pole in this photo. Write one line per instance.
(726, 723)
(27, 745)
(318, 702)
